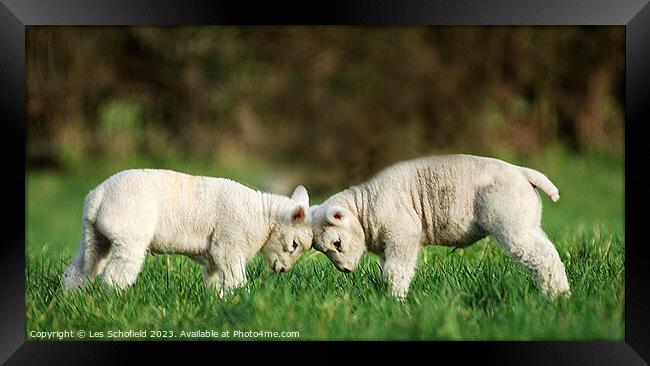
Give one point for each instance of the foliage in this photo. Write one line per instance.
(326, 105)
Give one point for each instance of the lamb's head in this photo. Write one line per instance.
(339, 235)
(292, 235)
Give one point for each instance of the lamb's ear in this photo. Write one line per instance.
(298, 214)
(301, 196)
(337, 215)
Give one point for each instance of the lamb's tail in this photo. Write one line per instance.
(91, 204)
(538, 179)
(81, 265)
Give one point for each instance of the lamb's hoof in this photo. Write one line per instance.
(72, 280)
(399, 295)
(556, 293)
(71, 285)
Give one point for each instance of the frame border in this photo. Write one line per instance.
(15, 15)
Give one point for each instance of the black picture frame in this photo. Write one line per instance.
(15, 15)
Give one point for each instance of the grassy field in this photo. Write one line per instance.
(477, 293)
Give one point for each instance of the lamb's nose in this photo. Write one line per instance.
(345, 270)
(282, 270)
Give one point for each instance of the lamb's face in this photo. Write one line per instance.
(339, 235)
(292, 236)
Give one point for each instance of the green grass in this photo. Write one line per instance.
(477, 293)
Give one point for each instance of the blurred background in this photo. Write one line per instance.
(322, 106)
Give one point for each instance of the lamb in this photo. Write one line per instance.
(451, 200)
(219, 223)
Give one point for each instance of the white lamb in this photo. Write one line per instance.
(451, 200)
(219, 223)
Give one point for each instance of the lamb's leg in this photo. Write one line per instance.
(211, 274)
(535, 251)
(398, 269)
(126, 261)
(213, 278)
(511, 210)
(74, 276)
(90, 260)
(226, 275)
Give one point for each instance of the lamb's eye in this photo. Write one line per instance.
(337, 245)
(295, 245)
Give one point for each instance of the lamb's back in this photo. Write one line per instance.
(441, 190)
(178, 199)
